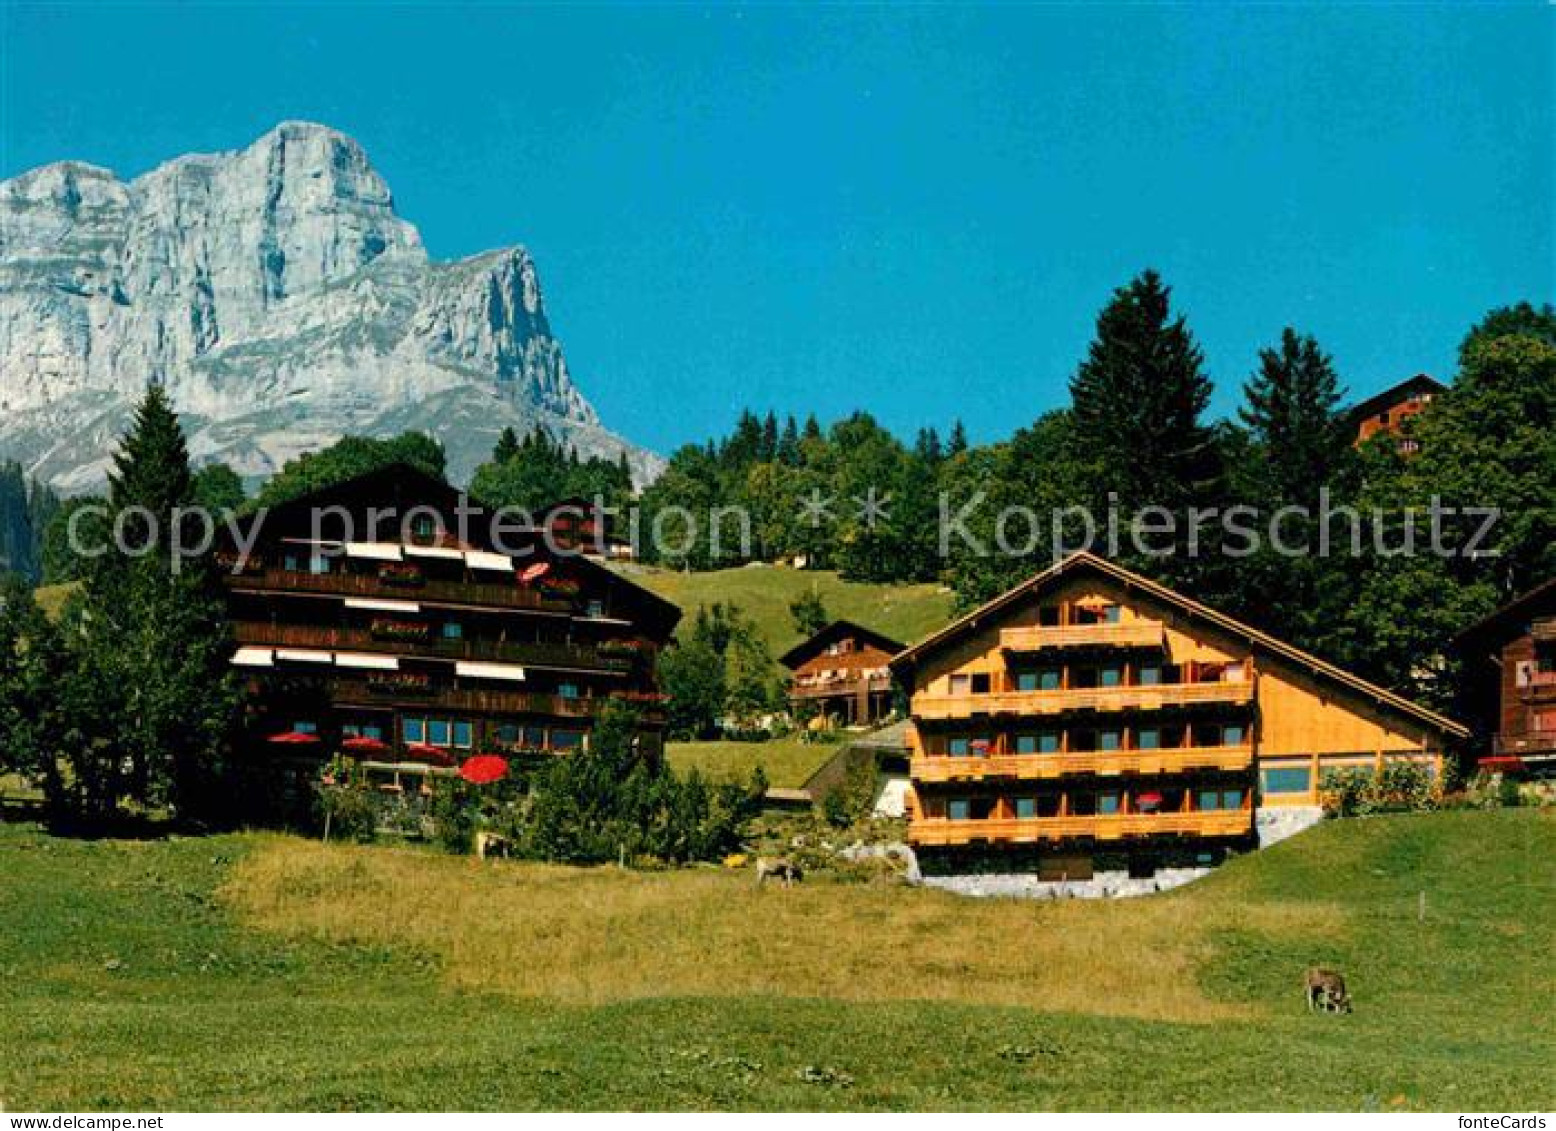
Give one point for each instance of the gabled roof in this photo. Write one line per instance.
(1420, 383)
(1509, 620)
(1084, 561)
(404, 485)
(837, 630)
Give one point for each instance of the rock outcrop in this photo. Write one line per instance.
(283, 303)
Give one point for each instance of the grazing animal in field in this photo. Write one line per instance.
(777, 868)
(490, 844)
(1325, 989)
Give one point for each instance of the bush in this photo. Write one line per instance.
(348, 808)
(1398, 787)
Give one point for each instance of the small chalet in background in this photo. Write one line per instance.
(842, 673)
(1386, 411)
(1510, 676)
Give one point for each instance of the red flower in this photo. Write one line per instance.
(484, 769)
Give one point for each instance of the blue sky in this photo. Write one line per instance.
(912, 210)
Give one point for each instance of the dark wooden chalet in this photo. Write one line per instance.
(429, 634)
(1510, 676)
(841, 672)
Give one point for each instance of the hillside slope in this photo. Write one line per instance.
(764, 593)
(390, 978)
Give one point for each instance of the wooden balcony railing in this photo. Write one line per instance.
(1534, 742)
(538, 654)
(943, 768)
(358, 692)
(1130, 634)
(429, 589)
(1152, 697)
(799, 690)
(1113, 826)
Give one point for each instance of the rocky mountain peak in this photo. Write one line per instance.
(282, 301)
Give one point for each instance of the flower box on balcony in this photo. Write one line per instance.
(400, 573)
(624, 649)
(384, 629)
(400, 683)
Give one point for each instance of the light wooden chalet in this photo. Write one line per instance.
(842, 672)
(1092, 710)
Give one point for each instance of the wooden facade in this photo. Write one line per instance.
(1091, 710)
(425, 637)
(842, 673)
(1386, 412)
(1511, 679)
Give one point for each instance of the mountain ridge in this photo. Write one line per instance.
(282, 300)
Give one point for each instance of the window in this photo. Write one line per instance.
(1027, 681)
(1110, 740)
(566, 739)
(424, 528)
(464, 734)
(1049, 679)
(453, 630)
(957, 809)
(1026, 744)
(1210, 800)
(533, 737)
(1026, 808)
(1111, 675)
(1048, 616)
(305, 727)
(362, 730)
(960, 684)
(980, 683)
(1295, 779)
(1149, 675)
(1112, 614)
(318, 562)
(291, 562)
(1233, 735)
(595, 609)
(1048, 742)
(508, 734)
(958, 746)
(1148, 738)
(1108, 802)
(438, 732)
(415, 730)
(567, 690)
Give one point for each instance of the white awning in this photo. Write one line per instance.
(488, 671)
(435, 552)
(253, 658)
(480, 559)
(383, 605)
(377, 551)
(305, 656)
(367, 660)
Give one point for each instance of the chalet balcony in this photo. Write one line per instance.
(833, 688)
(366, 693)
(1149, 697)
(1038, 638)
(1113, 826)
(1103, 763)
(539, 654)
(432, 590)
(1536, 744)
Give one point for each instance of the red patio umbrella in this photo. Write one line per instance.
(364, 744)
(422, 752)
(484, 769)
(294, 738)
(535, 572)
(1149, 800)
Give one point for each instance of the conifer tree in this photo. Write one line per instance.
(151, 691)
(1301, 440)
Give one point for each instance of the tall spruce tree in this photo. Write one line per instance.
(152, 691)
(1292, 413)
(1138, 399)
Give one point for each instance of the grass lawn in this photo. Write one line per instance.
(764, 593)
(788, 762)
(261, 971)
